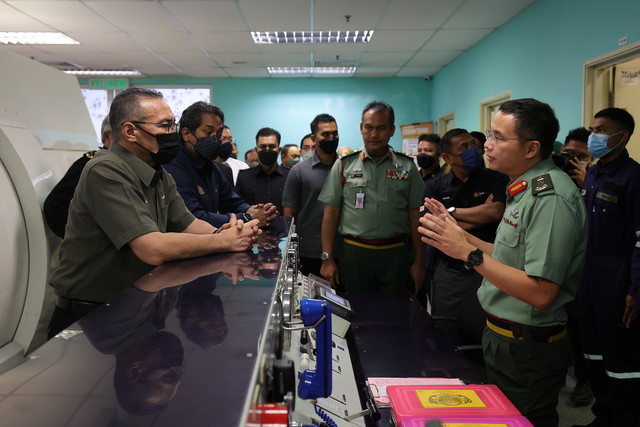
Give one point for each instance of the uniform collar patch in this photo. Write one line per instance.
(517, 187)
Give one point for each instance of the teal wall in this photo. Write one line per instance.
(289, 105)
(539, 54)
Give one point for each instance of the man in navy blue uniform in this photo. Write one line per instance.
(611, 278)
(205, 190)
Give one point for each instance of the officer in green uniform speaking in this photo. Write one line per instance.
(533, 268)
(374, 195)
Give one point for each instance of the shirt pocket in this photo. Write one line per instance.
(607, 204)
(396, 190)
(352, 187)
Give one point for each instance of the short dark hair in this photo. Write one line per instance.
(431, 137)
(535, 121)
(303, 138)
(192, 116)
(320, 118)
(246, 154)
(380, 107)
(285, 149)
(268, 132)
(577, 134)
(480, 136)
(126, 107)
(619, 116)
(445, 143)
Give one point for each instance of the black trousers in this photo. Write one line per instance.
(63, 318)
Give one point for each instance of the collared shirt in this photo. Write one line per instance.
(236, 166)
(255, 186)
(119, 197)
(301, 191)
(612, 196)
(433, 174)
(543, 232)
(374, 198)
(451, 191)
(207, 194)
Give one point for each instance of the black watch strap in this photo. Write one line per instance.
(474, 258)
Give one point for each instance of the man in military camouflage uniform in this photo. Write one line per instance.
(373, 194)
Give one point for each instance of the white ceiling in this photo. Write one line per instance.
(210, 38)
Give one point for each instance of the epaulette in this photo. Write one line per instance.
(402, 153)
(541, 183)
(351, 153)
(90, 154)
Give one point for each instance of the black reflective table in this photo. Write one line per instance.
(179, 347)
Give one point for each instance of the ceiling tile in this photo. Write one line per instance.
(276, 15)
(371, 59)
(64, 16)
(108, 42)
(162, 42)
(418, 14)
(205, 72)
(136, 16)
(189, 60)
(12, 19)
(225, 41)
(247, 72)
(207, 15)
(433, 58)
(248, 60)
(330, 14)
(473, 14)
(455, 39)
(418, 71)
(400, 39)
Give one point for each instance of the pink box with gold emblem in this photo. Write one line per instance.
(471, 400)
(515, 421)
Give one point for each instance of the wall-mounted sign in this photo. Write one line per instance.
(108, 83)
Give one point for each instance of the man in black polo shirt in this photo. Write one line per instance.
(265, 183)
(475, 197)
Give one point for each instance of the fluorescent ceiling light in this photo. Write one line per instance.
(122, 73)
(312, 70)
(35, 38)
(296, 37)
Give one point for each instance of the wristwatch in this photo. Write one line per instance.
(451, 210)
(245, 217)
(474, 258)
(325, 256)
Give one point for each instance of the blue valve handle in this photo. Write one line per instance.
(315, 384)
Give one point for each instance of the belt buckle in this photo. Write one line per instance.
(517, 330)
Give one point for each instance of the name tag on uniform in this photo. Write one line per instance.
(398, 174)
(606, 197)
(359, 201)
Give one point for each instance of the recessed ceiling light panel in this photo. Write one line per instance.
(312, 70)
(35, 38)
(99, 73)
(298, 37)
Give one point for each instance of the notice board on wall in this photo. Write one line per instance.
(410, 134)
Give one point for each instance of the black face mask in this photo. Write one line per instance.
(225, 151)
(169, 147)
(425, 161)
(267, 157)
(329, 145)
(208, 147)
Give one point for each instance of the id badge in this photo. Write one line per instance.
(359, 201)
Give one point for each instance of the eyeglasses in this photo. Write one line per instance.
(227, 139)
(490, 134)
(169, 127)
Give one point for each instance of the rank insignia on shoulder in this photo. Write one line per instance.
(542, 183)
(517, 187)
(402, 153)
(351, 153)
(90, 154)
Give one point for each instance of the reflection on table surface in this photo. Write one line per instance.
(177, 348)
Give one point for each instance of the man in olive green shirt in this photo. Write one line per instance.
(533, 268)
(126, 215)
(374, 194)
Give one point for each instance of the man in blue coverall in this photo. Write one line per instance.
(611, 279)
(206, 193)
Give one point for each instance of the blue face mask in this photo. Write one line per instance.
(471, 159)
(598, 144)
